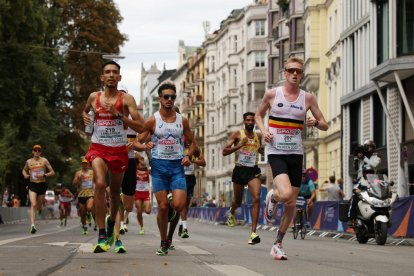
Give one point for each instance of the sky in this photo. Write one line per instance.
(154, 28)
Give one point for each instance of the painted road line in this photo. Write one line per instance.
(2, 242)
(234, 270)
(193, 250)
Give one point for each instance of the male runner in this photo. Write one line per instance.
(83, 181)
(108, 152)
(287, 107)
(35, 169)
(167, 129)
(247, 145)
(142, 191)
(190, 179)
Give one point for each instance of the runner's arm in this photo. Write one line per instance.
(319, 122)
(261, 112)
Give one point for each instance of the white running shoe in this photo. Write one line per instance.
(270, 208)
(277, 252)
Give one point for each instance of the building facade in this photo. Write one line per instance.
(235, 82)
(377, 41)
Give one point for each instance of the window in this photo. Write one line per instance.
(212, 159)
(380, 119)
(235, 43)
(235, 77)
(259, 27)
(212, 125)
(212, 94)
(382, 31)
(355, 124)
(212, 64)
(260, 59)
(235, 113)
(405, 27)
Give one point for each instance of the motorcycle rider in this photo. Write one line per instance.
(366, 161)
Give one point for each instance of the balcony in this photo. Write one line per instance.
(256, 75)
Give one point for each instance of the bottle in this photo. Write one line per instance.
(89, 128)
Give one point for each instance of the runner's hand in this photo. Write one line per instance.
(268, 136)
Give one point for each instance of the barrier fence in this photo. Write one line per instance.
(325, 216)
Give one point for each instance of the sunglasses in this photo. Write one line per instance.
(37, 150)
(293, 70)
(167, 97)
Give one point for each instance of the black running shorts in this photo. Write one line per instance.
(243, 175)
(290, 164)
(130, 178)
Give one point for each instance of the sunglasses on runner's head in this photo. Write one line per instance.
(37, 150)
(293, 70)
(167, 97)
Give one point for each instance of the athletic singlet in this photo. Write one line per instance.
(86, 179)
(64, 198)
(142, 184)
(168, 138)
(109, 130)
(189, 170)
(37, 167)
(286, 121)
(248, 155)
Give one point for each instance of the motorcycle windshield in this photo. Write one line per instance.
(378, 186)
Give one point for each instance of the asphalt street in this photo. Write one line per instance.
(210, 250)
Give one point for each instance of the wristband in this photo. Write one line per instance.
(119, 115)
(316, 123)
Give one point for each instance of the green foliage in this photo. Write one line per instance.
(49, 63)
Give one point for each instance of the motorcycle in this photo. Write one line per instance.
(374, 208)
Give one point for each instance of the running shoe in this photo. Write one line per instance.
(142, 232)
(231, 221)
(85, 230)
(180, 230)
(33, 229)
(101, 246)
(170, 246)
(110, 233)
(270, 208)
(185, 235)
(122, 230)
(119, 247)
(277, 252)
(163, 250)
(254, 238)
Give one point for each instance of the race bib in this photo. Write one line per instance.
(109, 131)
(87, 184)
(188, 170)
(35, 171)
(247, 158)
(286, 139)
(169, 149)
(142, 186)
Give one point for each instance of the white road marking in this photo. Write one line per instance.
(193, 250)
(58, 243)
(234, 270)
(2, 242)
(85, 248)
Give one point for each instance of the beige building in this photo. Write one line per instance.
(236, 62)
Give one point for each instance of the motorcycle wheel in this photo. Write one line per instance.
(381, 232)
(361, 234)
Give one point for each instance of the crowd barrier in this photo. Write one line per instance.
(325, 216)
(9, 214)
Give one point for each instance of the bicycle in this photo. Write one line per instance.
(299, 225)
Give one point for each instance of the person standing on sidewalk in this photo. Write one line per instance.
(287, 106)
(36, 169)
(167, 129)
(247, 145)
(108, 152)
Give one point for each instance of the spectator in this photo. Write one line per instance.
(334, 192)
(16, 201)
